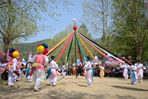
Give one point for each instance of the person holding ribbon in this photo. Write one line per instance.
(88, 71)
(39, 63)
(52, 72)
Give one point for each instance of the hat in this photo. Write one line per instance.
(52, 57)
(87, 58)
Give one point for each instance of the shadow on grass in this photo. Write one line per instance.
(50, 94)
(125, 97)
(81, 85)
(129, 88)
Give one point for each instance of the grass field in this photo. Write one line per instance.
(72, 88)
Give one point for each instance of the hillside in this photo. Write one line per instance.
(24, 48)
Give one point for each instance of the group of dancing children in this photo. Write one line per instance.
(39, 68)
(135, 70)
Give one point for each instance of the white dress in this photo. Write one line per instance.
(63, 70)
(11, 75)
(134, 74)
(53, 77)
(88, 72)
(125, 70)
(140, 71)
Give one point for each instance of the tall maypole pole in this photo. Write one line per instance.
(75, 28)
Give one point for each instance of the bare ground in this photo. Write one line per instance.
(72, 88)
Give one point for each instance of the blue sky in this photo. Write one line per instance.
(52, 27)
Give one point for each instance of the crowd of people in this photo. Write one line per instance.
(38, 68)
(133, 70)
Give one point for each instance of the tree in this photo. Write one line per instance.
(14, 24)
(18, 18)
(97, 14)
(131, 26)
(83, 29)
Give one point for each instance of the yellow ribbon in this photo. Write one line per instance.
(86, 47)
(58, 43)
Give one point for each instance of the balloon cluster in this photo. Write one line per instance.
(42, 48)
(14, 53)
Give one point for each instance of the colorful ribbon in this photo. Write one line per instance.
(103, 49)
(68, 54)
(53, 48)
(63, 49)
(80, 49)
(95, 48)
(86, 47)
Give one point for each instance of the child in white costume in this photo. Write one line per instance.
(63, 70)
(133, 73)
(139, 71)
(53, 76)
(12, 65)
(88, 71)
(125, 70)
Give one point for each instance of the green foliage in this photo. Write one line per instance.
(15, 22)
(18, 18)
(131, 27)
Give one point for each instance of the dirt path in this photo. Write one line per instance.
(72, 88)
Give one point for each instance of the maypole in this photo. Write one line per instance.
(75, 28)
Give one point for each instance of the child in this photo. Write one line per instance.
(39, 70)
(125, 70)
(28, 71)
(63, 70)
(139, 71)
(133, 74)
(88, 71)
(53, 71)
(101, 71)
(12, 72)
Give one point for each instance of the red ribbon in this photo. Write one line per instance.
(63, 49)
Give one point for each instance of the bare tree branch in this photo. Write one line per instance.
(2, 34)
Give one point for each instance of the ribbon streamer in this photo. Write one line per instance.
(86, 47)
(63, 49)
(53, 48)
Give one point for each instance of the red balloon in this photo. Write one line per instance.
(39, 44)
(10, 54)
(45, 51)
(75, 28)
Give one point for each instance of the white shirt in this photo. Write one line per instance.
(53, 64)
(14, 64)
(140, 67)
(134, 67)
(87, 65)
(3, 64)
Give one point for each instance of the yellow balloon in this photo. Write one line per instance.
(40, 49)
(15, 54)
